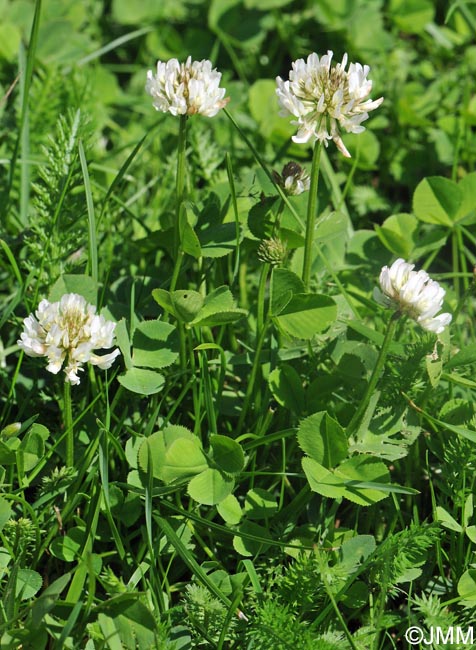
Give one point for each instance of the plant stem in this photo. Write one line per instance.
(254, 372)
(261, 292)
(68, 424)
(180, 193)
(377, 371)
(311, 215)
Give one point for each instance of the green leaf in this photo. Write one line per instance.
(447, 520)
(176, 453)
(48, 600)
(218, 309)
(260, 504)
(464, 357)
(67, 547)
(286, 386)
(434, 368)
(307, 314)
(164, 299)
(345, 480)
(32, 448)
(467, 588)
(227, 454)
(84, 285)
(248, 546)
(467, 211)
(284, 284)
(123, 342)
(229, 509)
(28, 583)
(397, 233)
(210, 487)
(155, 344)
(218, 240)
(5, 512)
(142, 381)
(412, 16)
(186, 304)
(323, 439)
(437, 200)
(334, 225)
(189, 241)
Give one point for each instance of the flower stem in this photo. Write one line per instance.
(353, 425)
(254, 372)
(180, 193)
(261, 293)
(68, 424)
(311, 215)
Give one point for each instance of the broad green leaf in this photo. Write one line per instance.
(84, 285)
(464, 357)
(242, 28)
(345, 480)
(220, 318)
(334, 225)
(218, 309)
(397, 233)
(47, 600)
(210, 487)
(260, 504)
(286, 386)
(434, 368)
(307, 314)
(227, 454)
(186, 304)
(155, 344)
(32, 449)
(323, 439)
(355, 550)
(5, 512)
(175, 453)
(164, 299)
(123, 342)
(28, 584)
(284, 284)
(67, 547)
(467, 211)
(142, 381)
(471, 533)
(230, 510)
(412, 16)
(190, 242)
(10, 38)
(218, 240)
(265, 5)
(467, 588)
(437, 200)
(248, 546)
(447, 520)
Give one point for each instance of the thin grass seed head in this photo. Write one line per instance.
(413, 293)
(68, 332)
(326, 99)
(186, 88)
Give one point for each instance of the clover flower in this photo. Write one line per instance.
(186, 88)
(293, 179)
(67, 332)
(272, 251)
(415, 294)
(326, 99)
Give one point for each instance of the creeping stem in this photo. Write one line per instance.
(180, 195)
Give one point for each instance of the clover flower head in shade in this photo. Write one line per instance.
(186, 88)
(326, 99)
(293, 179)
(272, 251)
(67, 332)
(415, 294)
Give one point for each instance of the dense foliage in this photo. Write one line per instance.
(278, 458)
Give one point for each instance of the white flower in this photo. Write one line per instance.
(293, 179)
(186, 88)
(67, 332)
(414, 293)
(326, 99)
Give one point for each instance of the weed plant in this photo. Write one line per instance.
(235, 409)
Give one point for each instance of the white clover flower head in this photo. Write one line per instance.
(186, 88)
(415, 294)
(294, 179)
(326, 99)
(67, 332)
